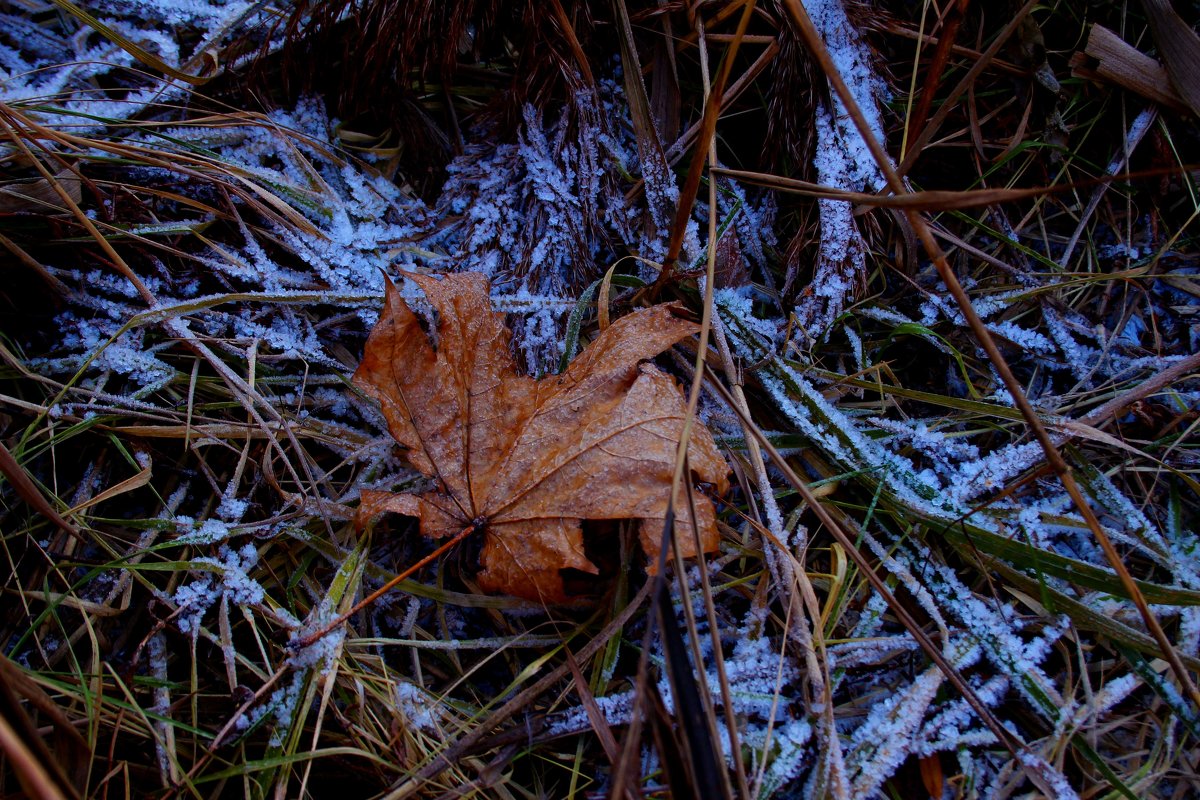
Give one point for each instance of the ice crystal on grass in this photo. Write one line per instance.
(1005, 650)
(992, 472)
(980, 629)
(1073, 352)
(156, 655)
(541, 214)
(322, 651)
(531, 211)
(359, 218)
(842, 254)
(60, 64)
(206, 532)
(885, 739)
(942, 450)
(419, 709)
(954, 726)
(756, 671)
(229, 577)
(354, 219)
(277, 711)
(260, 248)
(283, 706)
(842, 161)
(204, 14)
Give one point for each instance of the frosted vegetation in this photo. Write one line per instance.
(260, 245)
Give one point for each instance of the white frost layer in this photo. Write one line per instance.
(844, 161)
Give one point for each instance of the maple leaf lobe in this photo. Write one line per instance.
(534, 458)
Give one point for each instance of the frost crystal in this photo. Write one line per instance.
(842, 161)
(231, 580)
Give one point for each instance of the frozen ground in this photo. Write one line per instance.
(248, 254)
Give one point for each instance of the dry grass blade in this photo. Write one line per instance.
(20, 481)
(43, 772)
(20, 129)
(21, 255)
(447, 757)
(671, 745)
(925, 136)
(984, 337)
(847, 541)
(34, 775)
(897, 594)
(134, 49)
(708, 127)
(951, 19)
(595, 715)
(912, 201)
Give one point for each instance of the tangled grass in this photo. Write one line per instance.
(960, 559)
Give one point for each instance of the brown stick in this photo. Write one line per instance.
(809, 33)
(342, 619)
(1098, 416)
(935, 122)
(691, 185)
(951, 20)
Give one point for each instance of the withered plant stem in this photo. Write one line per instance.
(1006, 737)
(28, 491)
(952, 18)
(813, 40)
(935, 122)
(691, 185)
(342, 619)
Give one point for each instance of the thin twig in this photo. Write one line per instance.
(984, 337)
(310, 638)
(691, 184)
(948, 104)
(520, 702)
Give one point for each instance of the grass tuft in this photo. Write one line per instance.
(956, 385)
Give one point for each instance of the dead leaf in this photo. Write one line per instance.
(524, 461)
(38, 195)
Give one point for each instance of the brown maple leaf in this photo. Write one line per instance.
(522, 461)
